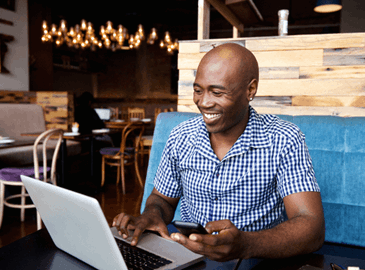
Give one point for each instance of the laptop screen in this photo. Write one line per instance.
(103, 113)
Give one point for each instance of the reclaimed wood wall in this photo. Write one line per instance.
(58, 107)
(299, 75)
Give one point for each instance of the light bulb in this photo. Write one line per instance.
(90, 28)
(167, 37)
(140, 31)
(63, 27)
(162, 44)
(53, 29)
(109, 27)
(44, 25)
(83, 25)
(71, 33)
(153, 34)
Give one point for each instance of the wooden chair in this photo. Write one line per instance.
(168, 110)
(11, 176)
(125, 155)
(136, 113)
(157, 112)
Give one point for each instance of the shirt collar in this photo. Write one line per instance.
(254, 136)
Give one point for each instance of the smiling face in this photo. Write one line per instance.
(226, 79)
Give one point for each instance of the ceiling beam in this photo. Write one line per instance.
(227, 14)
(203, 19)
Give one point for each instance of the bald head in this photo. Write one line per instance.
(235, 59)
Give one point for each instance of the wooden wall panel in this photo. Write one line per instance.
(299, 75)
(58, 107)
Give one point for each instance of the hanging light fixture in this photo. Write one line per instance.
(327, 6)
(168, 44)
(83, 36)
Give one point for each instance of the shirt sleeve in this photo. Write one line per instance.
(167, 179)
(296, 172)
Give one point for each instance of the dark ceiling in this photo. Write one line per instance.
(180, 17)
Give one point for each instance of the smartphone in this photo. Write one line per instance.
(187, 228)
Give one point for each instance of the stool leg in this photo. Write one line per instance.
(118, 175)
(102, 171)
(2, 194)
(22, 210)
(122, 172)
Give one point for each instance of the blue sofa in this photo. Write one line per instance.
(338, 153)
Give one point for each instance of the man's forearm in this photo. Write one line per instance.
(155, 205)
(299, 235)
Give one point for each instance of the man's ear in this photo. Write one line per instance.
(252, 89)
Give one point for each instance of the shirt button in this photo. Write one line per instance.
(216, 198)
(217, 174)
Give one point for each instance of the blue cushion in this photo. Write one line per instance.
(164, 124)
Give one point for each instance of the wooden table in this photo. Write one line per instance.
(123, 124)
(37, 251)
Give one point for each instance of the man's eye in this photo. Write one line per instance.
(216, 93)
(198, 91)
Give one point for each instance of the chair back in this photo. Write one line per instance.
(136, 113)
(166, 121)
(135, 131)
(44, 138)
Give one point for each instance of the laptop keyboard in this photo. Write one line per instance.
(136, 258)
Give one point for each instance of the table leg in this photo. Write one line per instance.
(63, 162)
(92, 157)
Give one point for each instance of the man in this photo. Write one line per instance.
(247, 177)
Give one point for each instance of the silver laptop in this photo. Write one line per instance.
(103, 113)
(78, 226)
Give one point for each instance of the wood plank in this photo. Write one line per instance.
(279, 73)
(308, 87)
(185, 87)
(207, 45)
(187, 108)
(271, 101)
(265, 59)
(186, 101)
(257, 102)
(295, 58)
(306, 42)
(246, 11)
(187, 74)
(227, 14)
(344, 56)
(203, 19)
(189, 47)
(291, 110)
(189, 60)
(315, 87)
(327, 72)
(330, 101)
(303, 110)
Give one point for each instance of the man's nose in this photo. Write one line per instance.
(206, 100)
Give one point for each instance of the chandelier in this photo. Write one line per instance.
(83, 36)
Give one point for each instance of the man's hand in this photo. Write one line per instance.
(302, 233)
(124, 222)
(224, 246)
(158, 212)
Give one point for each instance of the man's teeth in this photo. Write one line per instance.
(210, 116)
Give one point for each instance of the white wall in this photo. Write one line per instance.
(353, 16)
(16, 59)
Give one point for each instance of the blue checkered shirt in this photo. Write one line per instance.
(269, 161)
